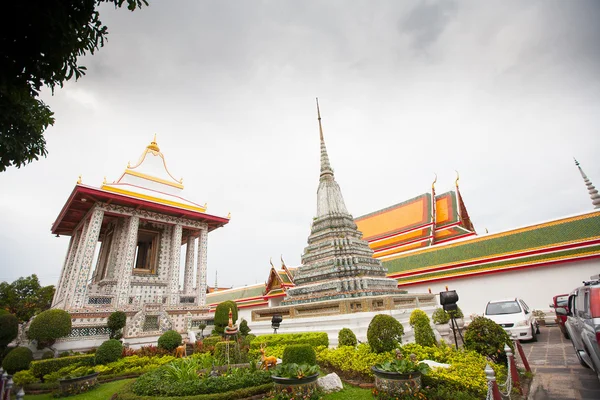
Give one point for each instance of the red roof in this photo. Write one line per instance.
(83, 198)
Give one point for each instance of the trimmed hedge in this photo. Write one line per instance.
(384, 333)
(48, 326)
(299, 354)
(17, 360)
(488, 339)
(423, 333)
(222, 315)
(169, 340)
(127, 393)
(109, 351)
(346, 337)
(211, 340)
(43, 367)
(235, 355)
(312, 338)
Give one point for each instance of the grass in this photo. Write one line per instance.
(102, 392)
(349, 393)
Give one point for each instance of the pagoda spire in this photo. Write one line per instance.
(591, 188)
(329, 194)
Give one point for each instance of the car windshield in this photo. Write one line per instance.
(503, 307)
(562, 301)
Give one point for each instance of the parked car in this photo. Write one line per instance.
(583, 323)
(561, 301)
(514, 316)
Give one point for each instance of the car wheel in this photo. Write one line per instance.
(566, 334)
(533, 334)
(537, 329)
(581, 359)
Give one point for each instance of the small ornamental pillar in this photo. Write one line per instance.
(514, 373)
(491, 378)
(3, 377)
(9, 386)
(521, 352)
(21, 394)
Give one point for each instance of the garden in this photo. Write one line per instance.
(239, 365)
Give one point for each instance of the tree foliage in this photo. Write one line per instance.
(25, 297)
(41, 44)
(116, 322)
(384, 333)
(9, 329)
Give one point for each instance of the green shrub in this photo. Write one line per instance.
(48, 326)
(4, 352)
(384, 333)
(23, 378)
(211, 340)
(47, 355)
(222, 315)
(44, 367)
(116, 322)
(17, 360)
(346, 337)
(487, 338)
(423, 333)
(169, 340)
(247, 341)
(456, 313)
(3, 311)
(440, 316)
(352, 362)
(276, 343)
(109, 351)
(244, 329)
(9, 329)
(156, 383)
(222, 357)
(65, 354)
(299, 354)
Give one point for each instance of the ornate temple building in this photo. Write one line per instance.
(125, 249)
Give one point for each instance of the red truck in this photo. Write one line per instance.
(561, 301)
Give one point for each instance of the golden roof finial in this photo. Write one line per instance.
(457, 178)
(181, 181)
(434, 181)
(128, 164)
(271, 262)
(79, 180)
(228, 215)
(282, 262)
(205, 206)
(104, 181)
(153, 145)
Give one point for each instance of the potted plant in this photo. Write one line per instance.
(441, 318)
(78, 382)
(293, 374)
(392, 378)
(458, 317)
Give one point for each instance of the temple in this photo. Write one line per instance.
(125, 248)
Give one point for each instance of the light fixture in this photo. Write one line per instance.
(83, 199)
(57, 235)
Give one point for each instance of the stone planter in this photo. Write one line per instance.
(78, 385)
(394, 383)
(460, 322)
(295, 384)
(443, 329)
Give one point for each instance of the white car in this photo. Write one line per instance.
(514, 316)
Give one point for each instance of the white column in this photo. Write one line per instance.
(87, 256)
(175, 261)
(188, 277)
(64, 271)
(201, 267)
(117, 249)
(75, 267)
(127, 260)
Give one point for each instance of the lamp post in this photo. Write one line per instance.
(275, 321)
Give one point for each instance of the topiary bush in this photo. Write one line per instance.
(244, 329)
(384, 333)
(109, 351)
(47, 355)
(17, 360)
(169, 340)
(299, 354)
(440, 316)
(44, 367)
(346, 337)
(423, 333)
(48, 326)
(116, 322)
(9, 329)
(487, 338)
(222, 315)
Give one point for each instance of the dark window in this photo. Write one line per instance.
(146, 252)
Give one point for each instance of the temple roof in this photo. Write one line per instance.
(412, 224)
(148, 185)
(547, 243)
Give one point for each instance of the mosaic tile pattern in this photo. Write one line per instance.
(175, 261)
(202, 265)
(188, 277)
(128, 260)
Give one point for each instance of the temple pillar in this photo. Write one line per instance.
(74, 269)
(117, 248)
(86, 258)
(175, 261)
(127, 259)
(201, 267)
(64, 271)
(188, 277)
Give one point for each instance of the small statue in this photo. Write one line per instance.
(399, 355)
(231, 329)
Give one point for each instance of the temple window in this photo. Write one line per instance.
(146, 252)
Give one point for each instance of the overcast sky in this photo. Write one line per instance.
(504, 92)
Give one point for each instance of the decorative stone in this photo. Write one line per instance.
(330, 383)
(435, 364)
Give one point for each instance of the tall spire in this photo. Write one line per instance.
(591, 188)
(325, 165)
(329, 194)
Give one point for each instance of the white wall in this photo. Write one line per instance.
(536, 286)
